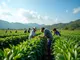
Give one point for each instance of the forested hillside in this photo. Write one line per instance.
(67, 26)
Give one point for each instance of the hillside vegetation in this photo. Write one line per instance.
(67, 26)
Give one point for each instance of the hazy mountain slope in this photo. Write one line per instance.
(72, 25)
(5, 25)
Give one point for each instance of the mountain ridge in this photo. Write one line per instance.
(71, 25)
(67, 26)
(6, 25)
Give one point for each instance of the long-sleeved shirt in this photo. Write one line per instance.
(48, 34)
(57, 33)
(32, 34)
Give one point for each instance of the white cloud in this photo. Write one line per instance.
(8, 15)
(4, 5)
(76, 10)
(32, 16)
(23, 16)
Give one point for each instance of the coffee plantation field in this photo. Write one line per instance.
(15, 45)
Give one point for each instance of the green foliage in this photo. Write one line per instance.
(29, 50)
(67, 47)
(13, 40)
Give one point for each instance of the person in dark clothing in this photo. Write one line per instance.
(29, 30)
(56, 32)
(25, 31)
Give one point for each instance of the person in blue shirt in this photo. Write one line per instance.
(56, 32)
(48, 35)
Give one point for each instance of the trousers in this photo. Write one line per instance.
(49, 43)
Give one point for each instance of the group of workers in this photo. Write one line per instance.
(47, 34)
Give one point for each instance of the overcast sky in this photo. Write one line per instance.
(40, 11)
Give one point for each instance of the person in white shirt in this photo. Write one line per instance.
(32, 33)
